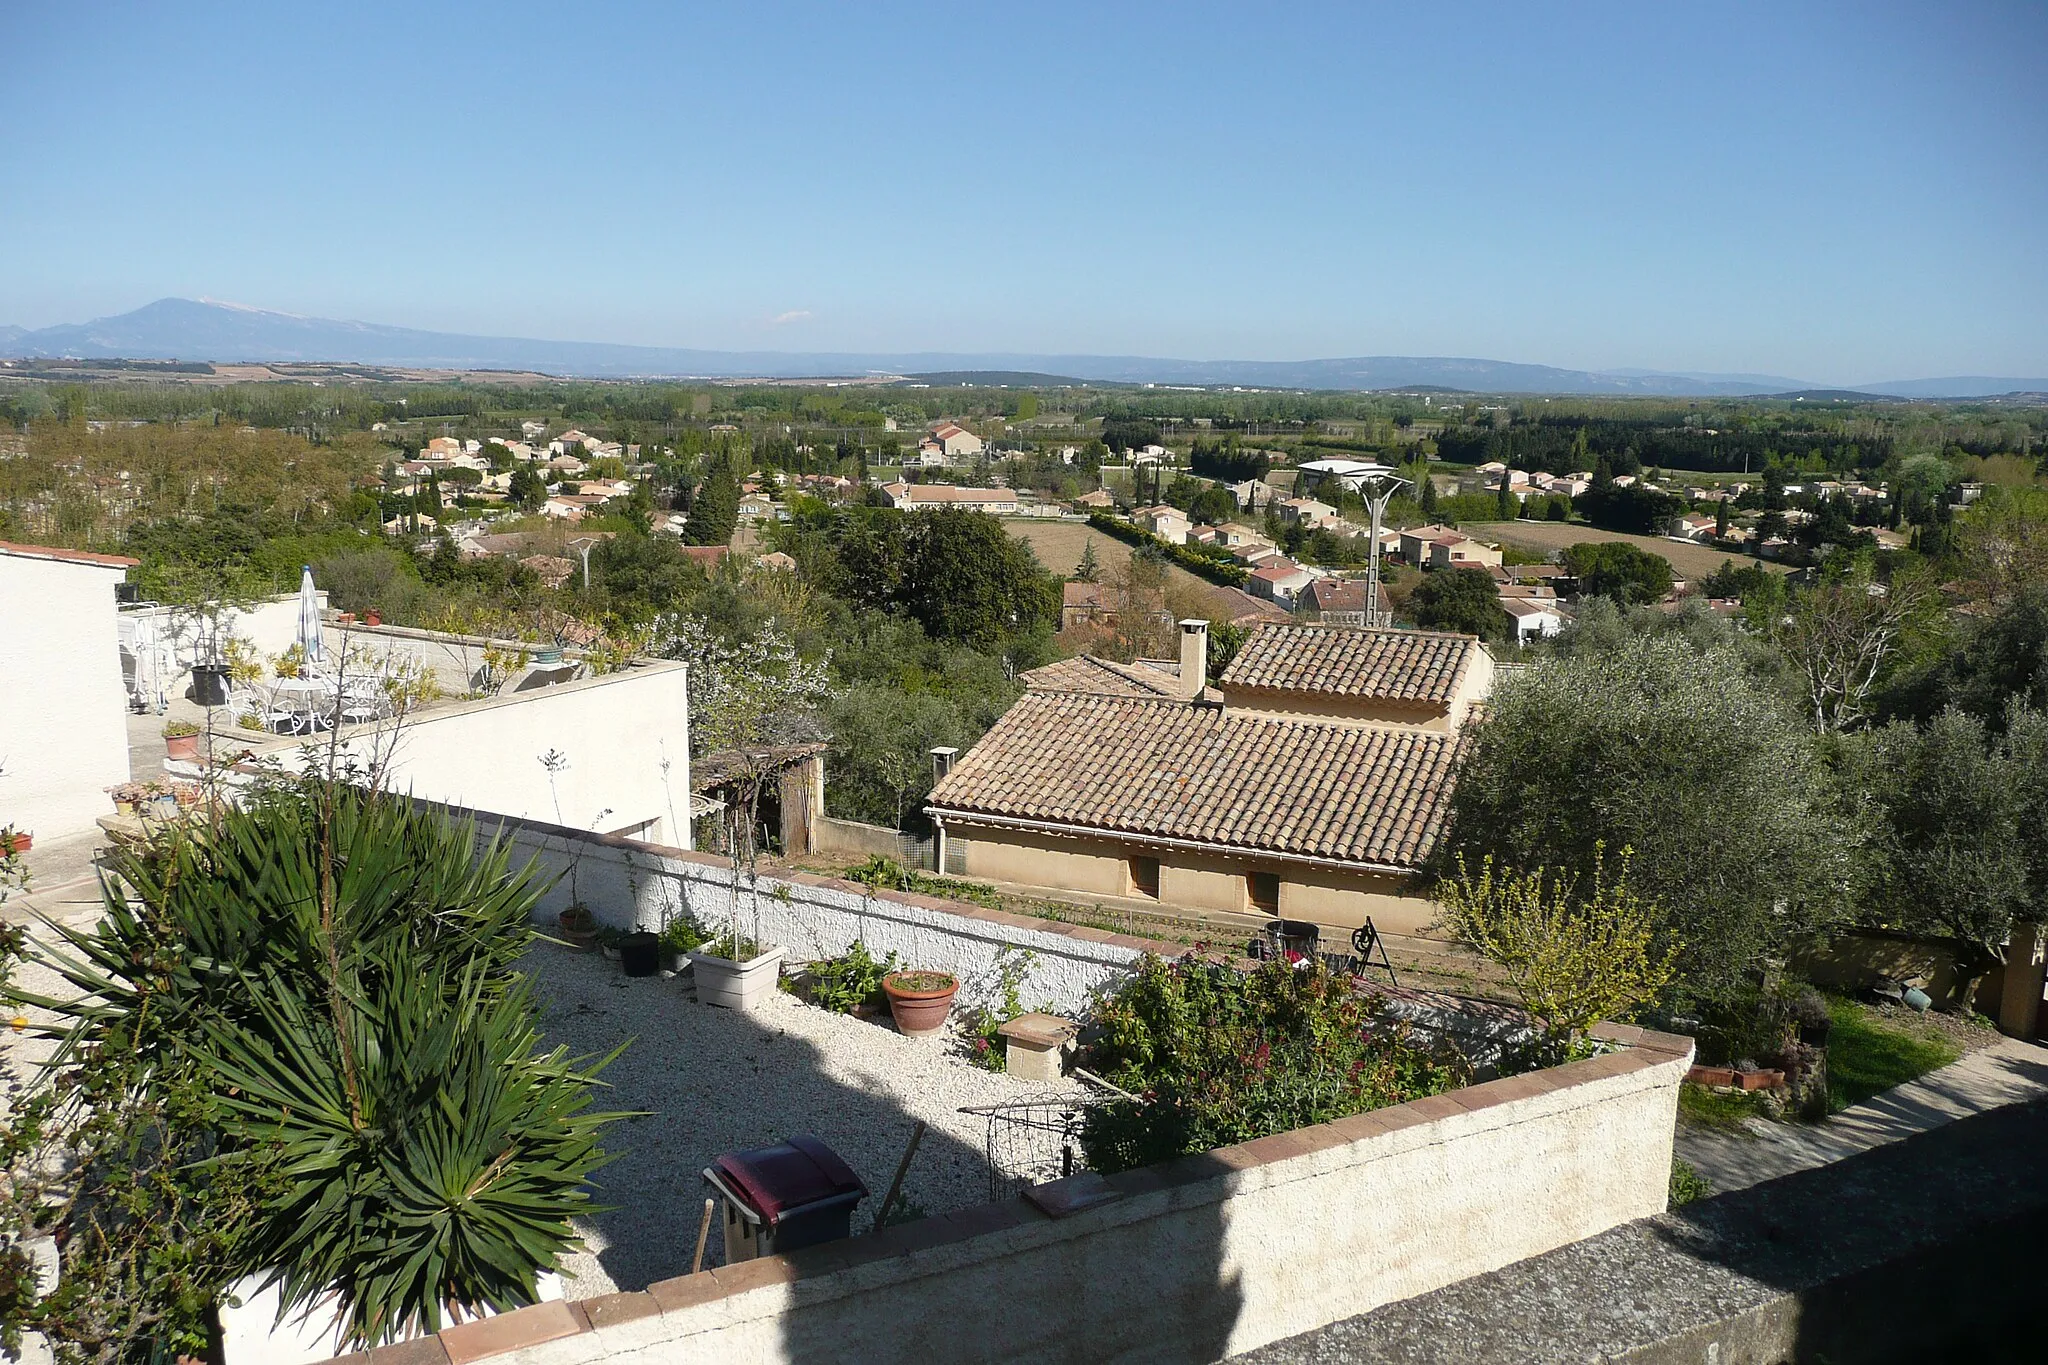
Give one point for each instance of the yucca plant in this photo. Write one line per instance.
(327, 978)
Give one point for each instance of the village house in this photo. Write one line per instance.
(1532, 617)
(1341, 602)
(1281, 580)
(1456, 551)
(1081, 604)
(1232, 535)
(1308, 512)
(1101, 500)
(956, 442)
(1310, 783)
(756, 507)
(1692, 527)
(1170, 524)
(920, 497)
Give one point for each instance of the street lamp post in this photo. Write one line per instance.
(1378, 485)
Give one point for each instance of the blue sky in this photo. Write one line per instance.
(1840, 193)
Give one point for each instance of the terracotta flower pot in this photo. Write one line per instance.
(184, 747)
(21, 843)
(578, 928)
(920, 1001)
(1711, 1075)
(371, 618)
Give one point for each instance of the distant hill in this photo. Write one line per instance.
(184, 329)
(1961, 386)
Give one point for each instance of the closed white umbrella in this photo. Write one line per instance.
(309, 620)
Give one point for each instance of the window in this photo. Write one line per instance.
(1145, 877)
(1262, 889)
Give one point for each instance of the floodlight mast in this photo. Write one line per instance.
(1378, 487)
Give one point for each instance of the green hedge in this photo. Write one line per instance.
(1230, 575)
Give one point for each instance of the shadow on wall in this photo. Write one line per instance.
(710, 1081)
(1930, 1248)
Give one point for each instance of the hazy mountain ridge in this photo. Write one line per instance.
(184, 329)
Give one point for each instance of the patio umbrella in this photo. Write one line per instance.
(150, 665)
(309, 620)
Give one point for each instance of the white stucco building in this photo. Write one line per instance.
(66, 740)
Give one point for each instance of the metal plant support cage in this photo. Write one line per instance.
(1033, 1140)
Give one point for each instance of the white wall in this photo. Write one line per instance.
(630, 884)
(271, 626)
(65, 739)
(615, 733)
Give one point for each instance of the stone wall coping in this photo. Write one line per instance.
(909, 1251)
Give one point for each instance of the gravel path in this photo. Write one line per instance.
(713, 1081)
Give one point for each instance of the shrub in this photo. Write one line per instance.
(1217, 1056)
(845, 983)
(1574, 960)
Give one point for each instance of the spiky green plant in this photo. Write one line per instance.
(330, 973)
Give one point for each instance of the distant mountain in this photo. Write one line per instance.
(1962, 386)
(182, 329)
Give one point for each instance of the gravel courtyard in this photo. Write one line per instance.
(712, 1081)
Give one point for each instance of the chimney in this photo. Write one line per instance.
(942, 762)
(1194, 658)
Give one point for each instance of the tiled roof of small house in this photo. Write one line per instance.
(1207, 774)
(1105, 677)
(1389, 665)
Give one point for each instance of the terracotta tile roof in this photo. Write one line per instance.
(1390, 665)
(1104, 677)
(1206, 774)
(10, 547)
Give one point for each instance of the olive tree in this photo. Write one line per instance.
(1682, 756)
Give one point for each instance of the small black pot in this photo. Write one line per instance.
(210, 684)
(640, 954)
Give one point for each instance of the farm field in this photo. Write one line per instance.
(1058, 546)
(1687, 561)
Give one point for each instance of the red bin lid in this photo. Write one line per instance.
(789, 1176)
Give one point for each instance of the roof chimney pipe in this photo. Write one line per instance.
(1194, 658)
(942, 761)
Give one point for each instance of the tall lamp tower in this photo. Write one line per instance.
(1377, 483)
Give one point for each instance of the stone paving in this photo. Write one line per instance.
(2007, 1072)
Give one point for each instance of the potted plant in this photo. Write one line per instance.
(920, 1001)
(181, 740)
(578, 926)
(371, 618)
(13, 840)
(608, 942)
(679, 938)
(735, 972)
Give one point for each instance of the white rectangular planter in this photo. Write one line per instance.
(736, 985)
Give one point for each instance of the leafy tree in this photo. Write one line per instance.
(1634, 509)
(1461, 599)
(715, 511)
(1961, 848)
(527, 490)
(1627, 573)
(967, 580)
(1679, 754)
(296, 1044)
(1427, 495)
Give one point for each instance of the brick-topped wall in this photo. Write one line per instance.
(1192, 1260)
